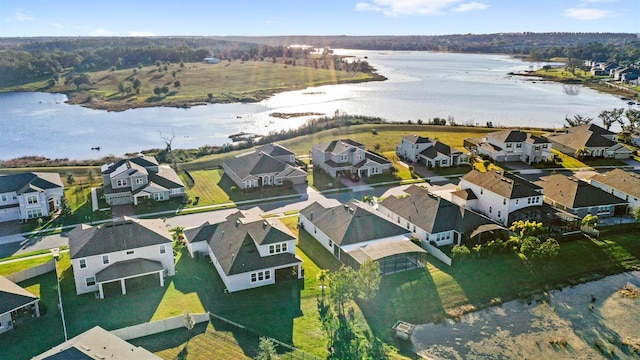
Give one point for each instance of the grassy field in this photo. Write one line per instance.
(7, 268)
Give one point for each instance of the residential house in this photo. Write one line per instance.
(120, 250)
(501, 196)
(346, 157)
(247, 250)
(15, 303)
(579, 197)
(592, 140)
(269, 165)
(511, 145)
(354, 233)
(430, 152)
(129, 180)
(623, 184)
(29, 195)
(96, 343)
(431, 218)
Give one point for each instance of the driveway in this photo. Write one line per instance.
(120, 211)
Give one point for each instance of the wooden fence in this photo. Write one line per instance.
(32, 272)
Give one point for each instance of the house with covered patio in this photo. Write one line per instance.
(354, 233)
(120, 250)
(15, 302)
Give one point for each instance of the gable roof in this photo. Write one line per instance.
(338, 146)
(438, 148)
(351, 223)
(417, 139)
(507, 185)
(579, 139)
(592, 128)
(201, 233)
(258, 163)
(29, 182)
(274, 149)
(234, 244)
(432, 213)
(13, 296)
(119, 235)
(166, 177)
(574, 193)
(625, 181)
(509, 135)
(96, 343)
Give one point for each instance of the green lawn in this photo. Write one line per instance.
(7, 268)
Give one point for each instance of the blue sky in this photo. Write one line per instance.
(317, 17)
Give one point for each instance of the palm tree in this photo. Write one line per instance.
(323, 275)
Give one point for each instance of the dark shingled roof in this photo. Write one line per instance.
(256, 164)
(350, 223)
(13, 296)
(417, 139)
(127, 269)
(201, 233)
(29, 182)
(338, 146)
(625, 181)
(274, 149)
(511, 135)
(438, 148)
(504, 184)
(118, 235)
(165, 177)
(142, 161)
(234, 244)
(577, 140)
(434, 214)
(574, 193)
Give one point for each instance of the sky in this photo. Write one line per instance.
(23, 18)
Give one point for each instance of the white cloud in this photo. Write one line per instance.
(21, 16)
(102, 32)
(597, 1)
(141, 33)
(586, 13)
(470, 7)
(407, 7)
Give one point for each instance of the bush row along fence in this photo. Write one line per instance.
(154, 327)
(437, 253)
(32, 272)
(223, 324)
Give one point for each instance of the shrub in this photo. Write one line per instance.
(460, 251)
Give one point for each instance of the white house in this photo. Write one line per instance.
(430, 152)
(29, 195)
(512, 145)
(354, 234)
(120, 250)
(129, 180)
(620, 183)
(498, 195)
(14, 303)
(431, 218)
(247, 251)
(346, 157)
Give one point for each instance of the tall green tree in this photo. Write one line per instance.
(368, 279)
(267, 350)
(610, 117)
(342, 288)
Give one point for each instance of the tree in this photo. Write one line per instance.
(460, 251)
(177, 84)
(322, 276)
(633, 116)
(609, 117)
(377, 147)
(177, 233)
(51, 83)
(636, 213)
(526, 228)
(70, 179)
(368, 199)
(189, 321)
(368, 279)
(81, 79)
(121, 87)
(157, 90)
(136, 85)
(165, 89)
(90, 176)
(581, 153)
(590, 221)
(341, 286)
(267, 350)
(578, 120)
(65, 208)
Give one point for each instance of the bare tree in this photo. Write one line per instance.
(168, 140)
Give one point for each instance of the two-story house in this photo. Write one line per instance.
(268, 165)
(29, 195)
(592, 140)
(511, 145)
(355, 233)
(347, 157)
(498, 195)
(120, 250)
(15, 302)
(247, 251)
(431, 152)
(623, 184)
(431, 218)
(129, 180)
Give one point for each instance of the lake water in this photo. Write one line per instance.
(472, 88)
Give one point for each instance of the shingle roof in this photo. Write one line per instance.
(118, 235)
(13, 296)
(166, 177)
(574, 193)
(625, 181)
(577, 140)
(27, 182)
(438, 148)
(142, 161)
(510, 135)
(274, 149)
(127, 269)
(256, 164)
(350, 223)
(200, 233)
(417, 139)
(338, 146)
(504, 184)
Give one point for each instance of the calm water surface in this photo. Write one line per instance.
(471, 88)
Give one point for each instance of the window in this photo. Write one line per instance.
(139, 181)
(508, 145)
(4, 197)
(343, 157)
(130, 252)
(545, 146)
(414, 228)
(537, 148)
(14, 196)
(504, 201)
(82, 263)
(260, 276)
(32, 199)
(278, 248)
(528, 200)
(330, 244)
(105, 259)
(499, 214)
(518, 145)
(163, 249)
(490, 209)
(90, 281)
(481, 191)
(122, 182)
(158, 196)
(34, 213)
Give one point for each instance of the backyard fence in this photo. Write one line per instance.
(32, 272)
(437, 253)
(222, 325)
(154, 327)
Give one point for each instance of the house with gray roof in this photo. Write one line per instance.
(431, 152)
(127, 181)
(511, 145)
(355, 233)
(29, 195)
(591, 139)
(96, 343)
(347, 157)
(120, 250)
(621, 183)
(579, 197)
(15, 302)
(247, 251)
(499, 195)
(439, 221)
(269, 165)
